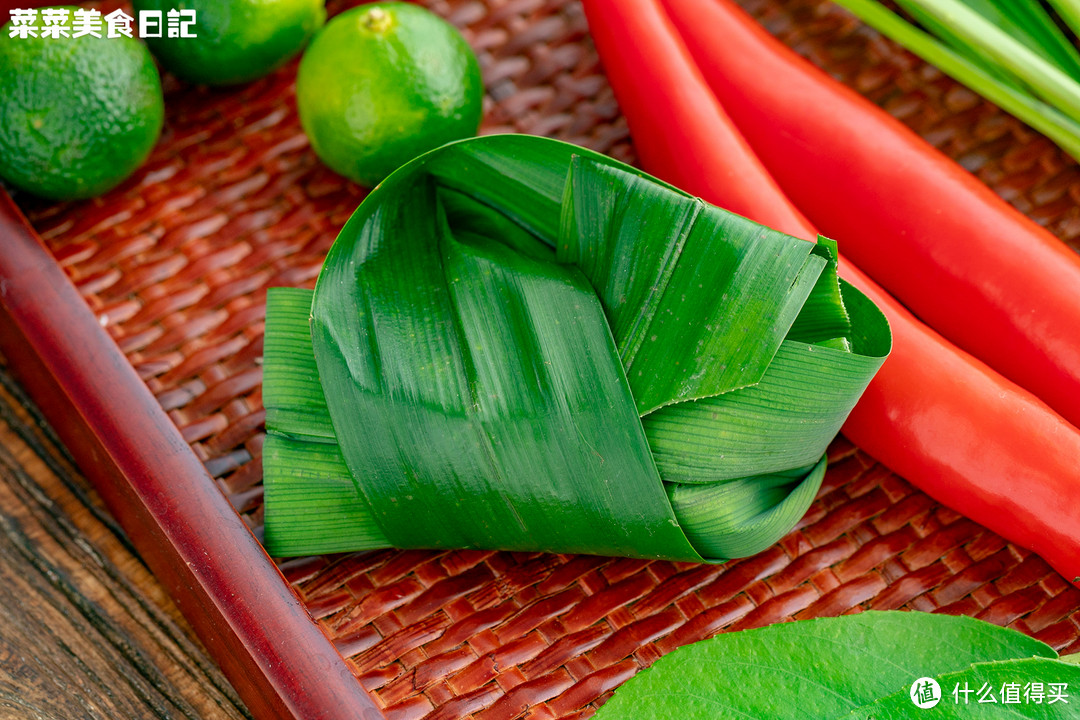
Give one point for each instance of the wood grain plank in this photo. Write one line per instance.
(85, 630)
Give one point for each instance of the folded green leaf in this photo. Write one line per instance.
(857, 666)
(493, 324)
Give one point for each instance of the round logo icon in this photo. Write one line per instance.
(925, 693)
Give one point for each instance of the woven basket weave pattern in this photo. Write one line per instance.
(176, 262)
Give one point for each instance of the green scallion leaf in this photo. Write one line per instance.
(1007, 76)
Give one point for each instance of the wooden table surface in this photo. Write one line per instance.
(85, 630)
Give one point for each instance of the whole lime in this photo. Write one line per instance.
(77, 114)
(383, 83)
(235, 40)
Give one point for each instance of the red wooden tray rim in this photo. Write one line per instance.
(189, 534)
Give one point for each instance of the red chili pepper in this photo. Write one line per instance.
(938, 416)
(962, 259)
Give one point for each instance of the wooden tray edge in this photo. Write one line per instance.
(193, 540)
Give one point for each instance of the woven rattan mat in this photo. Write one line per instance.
(176, 263)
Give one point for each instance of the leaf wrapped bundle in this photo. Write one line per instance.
(519, 344)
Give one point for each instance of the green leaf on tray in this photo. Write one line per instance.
(856, 666)
(519, 344)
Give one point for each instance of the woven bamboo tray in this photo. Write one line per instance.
(174, 265)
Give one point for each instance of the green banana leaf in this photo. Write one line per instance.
(519, 344)
(853, 667)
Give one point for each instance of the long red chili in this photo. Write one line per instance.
(938, 416)
(962, 259)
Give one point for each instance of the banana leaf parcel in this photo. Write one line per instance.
(518, 344)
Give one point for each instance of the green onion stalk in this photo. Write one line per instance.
(1012, 52)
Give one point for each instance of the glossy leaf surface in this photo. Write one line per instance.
(857, 666)
(493, 323)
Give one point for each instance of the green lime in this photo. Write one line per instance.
(77, 115)
(236, 40)
(383, 83)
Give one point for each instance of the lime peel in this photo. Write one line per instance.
(383, 83)
(77, 115)
(237, 40)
